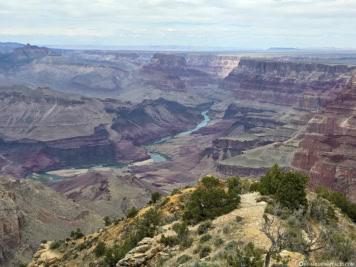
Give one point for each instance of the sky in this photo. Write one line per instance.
(251, 24)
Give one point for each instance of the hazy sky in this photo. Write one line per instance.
(223, 23)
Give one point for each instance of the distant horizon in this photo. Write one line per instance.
(243, 24)
(179, 48)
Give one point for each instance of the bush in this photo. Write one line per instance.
(268, 184)
(107, 221)
(339, 200)
(155, 197)
(44, 241)
(245, 255)
(239, 218)
(321, 211)
(76, 234)
(169, 241)
(205, 238)
(255, 187)
(218, 242)
(81, 247)
(210, 201)
(183, 259)
(204, 251)
(56, 244)
(175, 191)
(210, 182)
(234, 184)
(100, 249)
(291, 191)
(132, 212)
(204, 227)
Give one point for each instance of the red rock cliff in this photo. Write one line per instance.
(328, 150)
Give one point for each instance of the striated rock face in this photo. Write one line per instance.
(217, 65)
(303, 85)
(327, 151)
(171, 72)
(43, 129)
(11, 223)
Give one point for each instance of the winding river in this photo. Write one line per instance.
(156, 157)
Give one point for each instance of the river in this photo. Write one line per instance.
(156, 157)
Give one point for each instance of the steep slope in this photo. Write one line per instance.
(274, 101)
(327, 150)
(160, 235)
(43, 129)
(31, 212)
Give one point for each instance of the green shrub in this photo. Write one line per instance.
(210, 201)
(155, 197)
(176, 191)
(44, 241)
(204, 227)
(291, 191)
(132, 212)
(205, 238)
(107, 221)
(81, 247)
(321, 211)
(268, 184)
(22, 265)
(100, 249)
(239, 218)
(339, 200)
(76, 234)
(226, 229)
(183, 259)
(218, 242)
(204, 251)
(234, 184)
(210, 182)
(56, 244)
(245, 255)
(186, 242)
(255, 187)
(169, 241)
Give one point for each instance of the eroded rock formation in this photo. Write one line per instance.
(327, 151)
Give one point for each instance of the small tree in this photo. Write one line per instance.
(155, 197)
(100, 249)
(291, 191)
(269, 182)
(276, 233)
(132, 212)
(107, 220)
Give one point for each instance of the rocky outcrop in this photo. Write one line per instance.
(217, 65)
(327, 150)
(148, 250)
(31, 212)
(11, 223)
(305, 86)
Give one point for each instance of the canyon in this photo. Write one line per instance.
(88, 125)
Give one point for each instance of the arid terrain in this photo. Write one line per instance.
(102, 130)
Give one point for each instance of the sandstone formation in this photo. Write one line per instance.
(217, 65)
(327, 150)
(302, 85)
(274, 100)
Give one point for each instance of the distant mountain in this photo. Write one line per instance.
(9, 46)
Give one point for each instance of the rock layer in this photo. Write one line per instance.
(328, 148)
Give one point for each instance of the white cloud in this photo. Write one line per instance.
(247, 23)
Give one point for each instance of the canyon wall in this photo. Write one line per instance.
(301, 85)
(43, 129)
(327, 150)
(217, 65)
